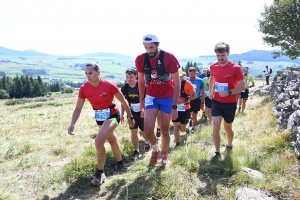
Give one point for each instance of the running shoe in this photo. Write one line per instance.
(136, 154)
(177, 144)
(98, 179)
(117, 168)
(154, 157)
(147, 147)
(158, 134)
(216, 156)
(193, 130)
(165, 161)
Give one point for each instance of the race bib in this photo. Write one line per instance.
(221, 87)
(149, 100)
(206, 93)
(135, 107)
(195, 86)
(180, 107)
(102, 115)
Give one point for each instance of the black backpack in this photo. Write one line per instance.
(270, 71)
(182, 93)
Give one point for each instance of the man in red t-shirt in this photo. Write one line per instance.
(227, 79)
(158, 70)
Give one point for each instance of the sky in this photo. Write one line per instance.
(186, 28)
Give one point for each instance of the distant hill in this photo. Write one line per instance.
(30, 52)
(258, 55)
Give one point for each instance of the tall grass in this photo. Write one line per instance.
(39, 160)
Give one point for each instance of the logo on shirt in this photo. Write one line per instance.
(103, 94)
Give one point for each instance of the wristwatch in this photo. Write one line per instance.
(130, 118)
(174, 106)
(202, 102)
(229, 92)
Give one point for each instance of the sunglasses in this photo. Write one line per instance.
(130, 72)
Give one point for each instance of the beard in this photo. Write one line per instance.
(152, 55)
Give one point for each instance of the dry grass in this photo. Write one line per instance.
(35, 150)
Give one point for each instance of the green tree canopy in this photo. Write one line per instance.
(280, 26)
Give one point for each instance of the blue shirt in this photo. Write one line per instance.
(202, 76)
(198, 85)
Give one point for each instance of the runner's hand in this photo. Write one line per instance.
(223, 93)
(131, 123)
(71, 129)
(174, 114)
(142, 113)
(142, 106)
(122, 119)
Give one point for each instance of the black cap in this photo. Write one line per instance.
(130, 70)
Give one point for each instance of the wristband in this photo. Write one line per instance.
(130, 118)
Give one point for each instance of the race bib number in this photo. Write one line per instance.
(195, 86)
(149, 100)
(221, 87)
(135, 107)
(102, 115)
(180, 107)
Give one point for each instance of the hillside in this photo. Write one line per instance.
(54, 68)
(41, 161)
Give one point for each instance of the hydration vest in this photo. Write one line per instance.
(182, 93)
(160, 70)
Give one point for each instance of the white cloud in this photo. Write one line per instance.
(185, 27)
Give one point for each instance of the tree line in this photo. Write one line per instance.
(27, 86)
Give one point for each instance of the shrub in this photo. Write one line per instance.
(4, 94)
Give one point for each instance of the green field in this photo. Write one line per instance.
(68, 69)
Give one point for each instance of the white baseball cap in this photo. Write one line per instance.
(150, 38)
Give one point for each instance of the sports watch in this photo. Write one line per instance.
(174, 106)
(130, 118)
(229, 92)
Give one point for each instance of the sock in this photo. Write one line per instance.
(146, 142)
(217, 151)
(177, 143)
(137, 150)
(100, 171)
(229, 145)
(120, 162)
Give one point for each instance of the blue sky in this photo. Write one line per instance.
(187, 28)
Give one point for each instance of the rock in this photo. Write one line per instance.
(253, 173)
(253, 194)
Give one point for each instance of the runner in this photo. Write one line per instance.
(197, 103)
(187, 93)
(207, 99)
(131, 92)
(100, 94)
(244, 94)
(158, 69)
(227, 79)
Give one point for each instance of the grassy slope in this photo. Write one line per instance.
(39, 160)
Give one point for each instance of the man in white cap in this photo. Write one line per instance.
(158, 70)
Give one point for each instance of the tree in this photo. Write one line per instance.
(3, 94)
(188, 65)
(280, 26)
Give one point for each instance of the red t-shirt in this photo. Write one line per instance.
(157, 88)
(231, 74)
(100, 97)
